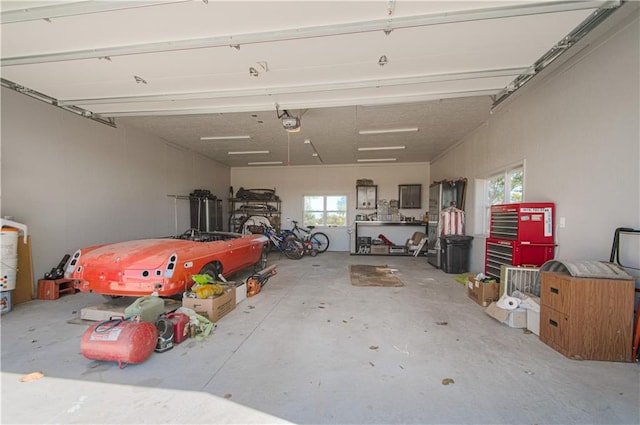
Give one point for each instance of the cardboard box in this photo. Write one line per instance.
(213, 308)
(116, 308)
(379, 249)
(241, 292)
(481, 292)
(532, 304)
(516, 318)
(500, 314)
(533, 321)
(105, 311)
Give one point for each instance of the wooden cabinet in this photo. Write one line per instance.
(585, 318)
(410, 195)
(366, 197)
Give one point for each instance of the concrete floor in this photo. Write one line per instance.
(312, 348)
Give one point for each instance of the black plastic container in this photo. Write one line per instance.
(455, 252)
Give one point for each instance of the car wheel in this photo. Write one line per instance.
(262, 262)
(212, 269)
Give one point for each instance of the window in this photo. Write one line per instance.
(320, 210)
(506, 187)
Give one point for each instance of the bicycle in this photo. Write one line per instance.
(319, 240)
(286, 243)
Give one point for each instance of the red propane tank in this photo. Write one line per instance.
(180, 326)
(120, 341)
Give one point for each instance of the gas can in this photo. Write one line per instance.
(119, 340)
(180, 326)
(149, 308)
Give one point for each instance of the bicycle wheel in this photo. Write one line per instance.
(320, 242)
(293, 249)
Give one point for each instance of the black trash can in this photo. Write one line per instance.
(455, 252)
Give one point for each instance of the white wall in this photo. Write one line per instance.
(292, 183)
(77, 182)
(578, 130)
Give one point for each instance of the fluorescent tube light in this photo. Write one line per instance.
(377, 160)
(246, 152)
(382, 148)
(265, 163)
(391, 130)
(224, 137)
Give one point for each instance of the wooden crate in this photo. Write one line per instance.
(52, 289)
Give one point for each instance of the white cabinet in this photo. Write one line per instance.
(366, 197)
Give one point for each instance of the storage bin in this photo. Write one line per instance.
(455, 253)
(6, 302)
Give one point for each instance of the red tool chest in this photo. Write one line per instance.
(519, 234)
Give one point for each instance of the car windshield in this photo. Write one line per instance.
(196, 235)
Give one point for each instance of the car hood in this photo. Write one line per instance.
(143, 254)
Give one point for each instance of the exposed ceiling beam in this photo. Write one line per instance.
(309, 88)
(86, 7)
(307, 104)
(388, 24)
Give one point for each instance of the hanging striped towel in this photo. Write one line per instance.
(452, 221)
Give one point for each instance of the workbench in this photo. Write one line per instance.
(398, 231)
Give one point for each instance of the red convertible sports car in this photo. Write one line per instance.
(140, 267)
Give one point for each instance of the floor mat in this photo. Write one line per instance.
(364, 275)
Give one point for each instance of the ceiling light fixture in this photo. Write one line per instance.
(391, 130)
(382, 148)
(253, 72)
(246, 152)
(377, 160)
(383, 60)
(265, 163)
(139, 80)
(224, 137)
